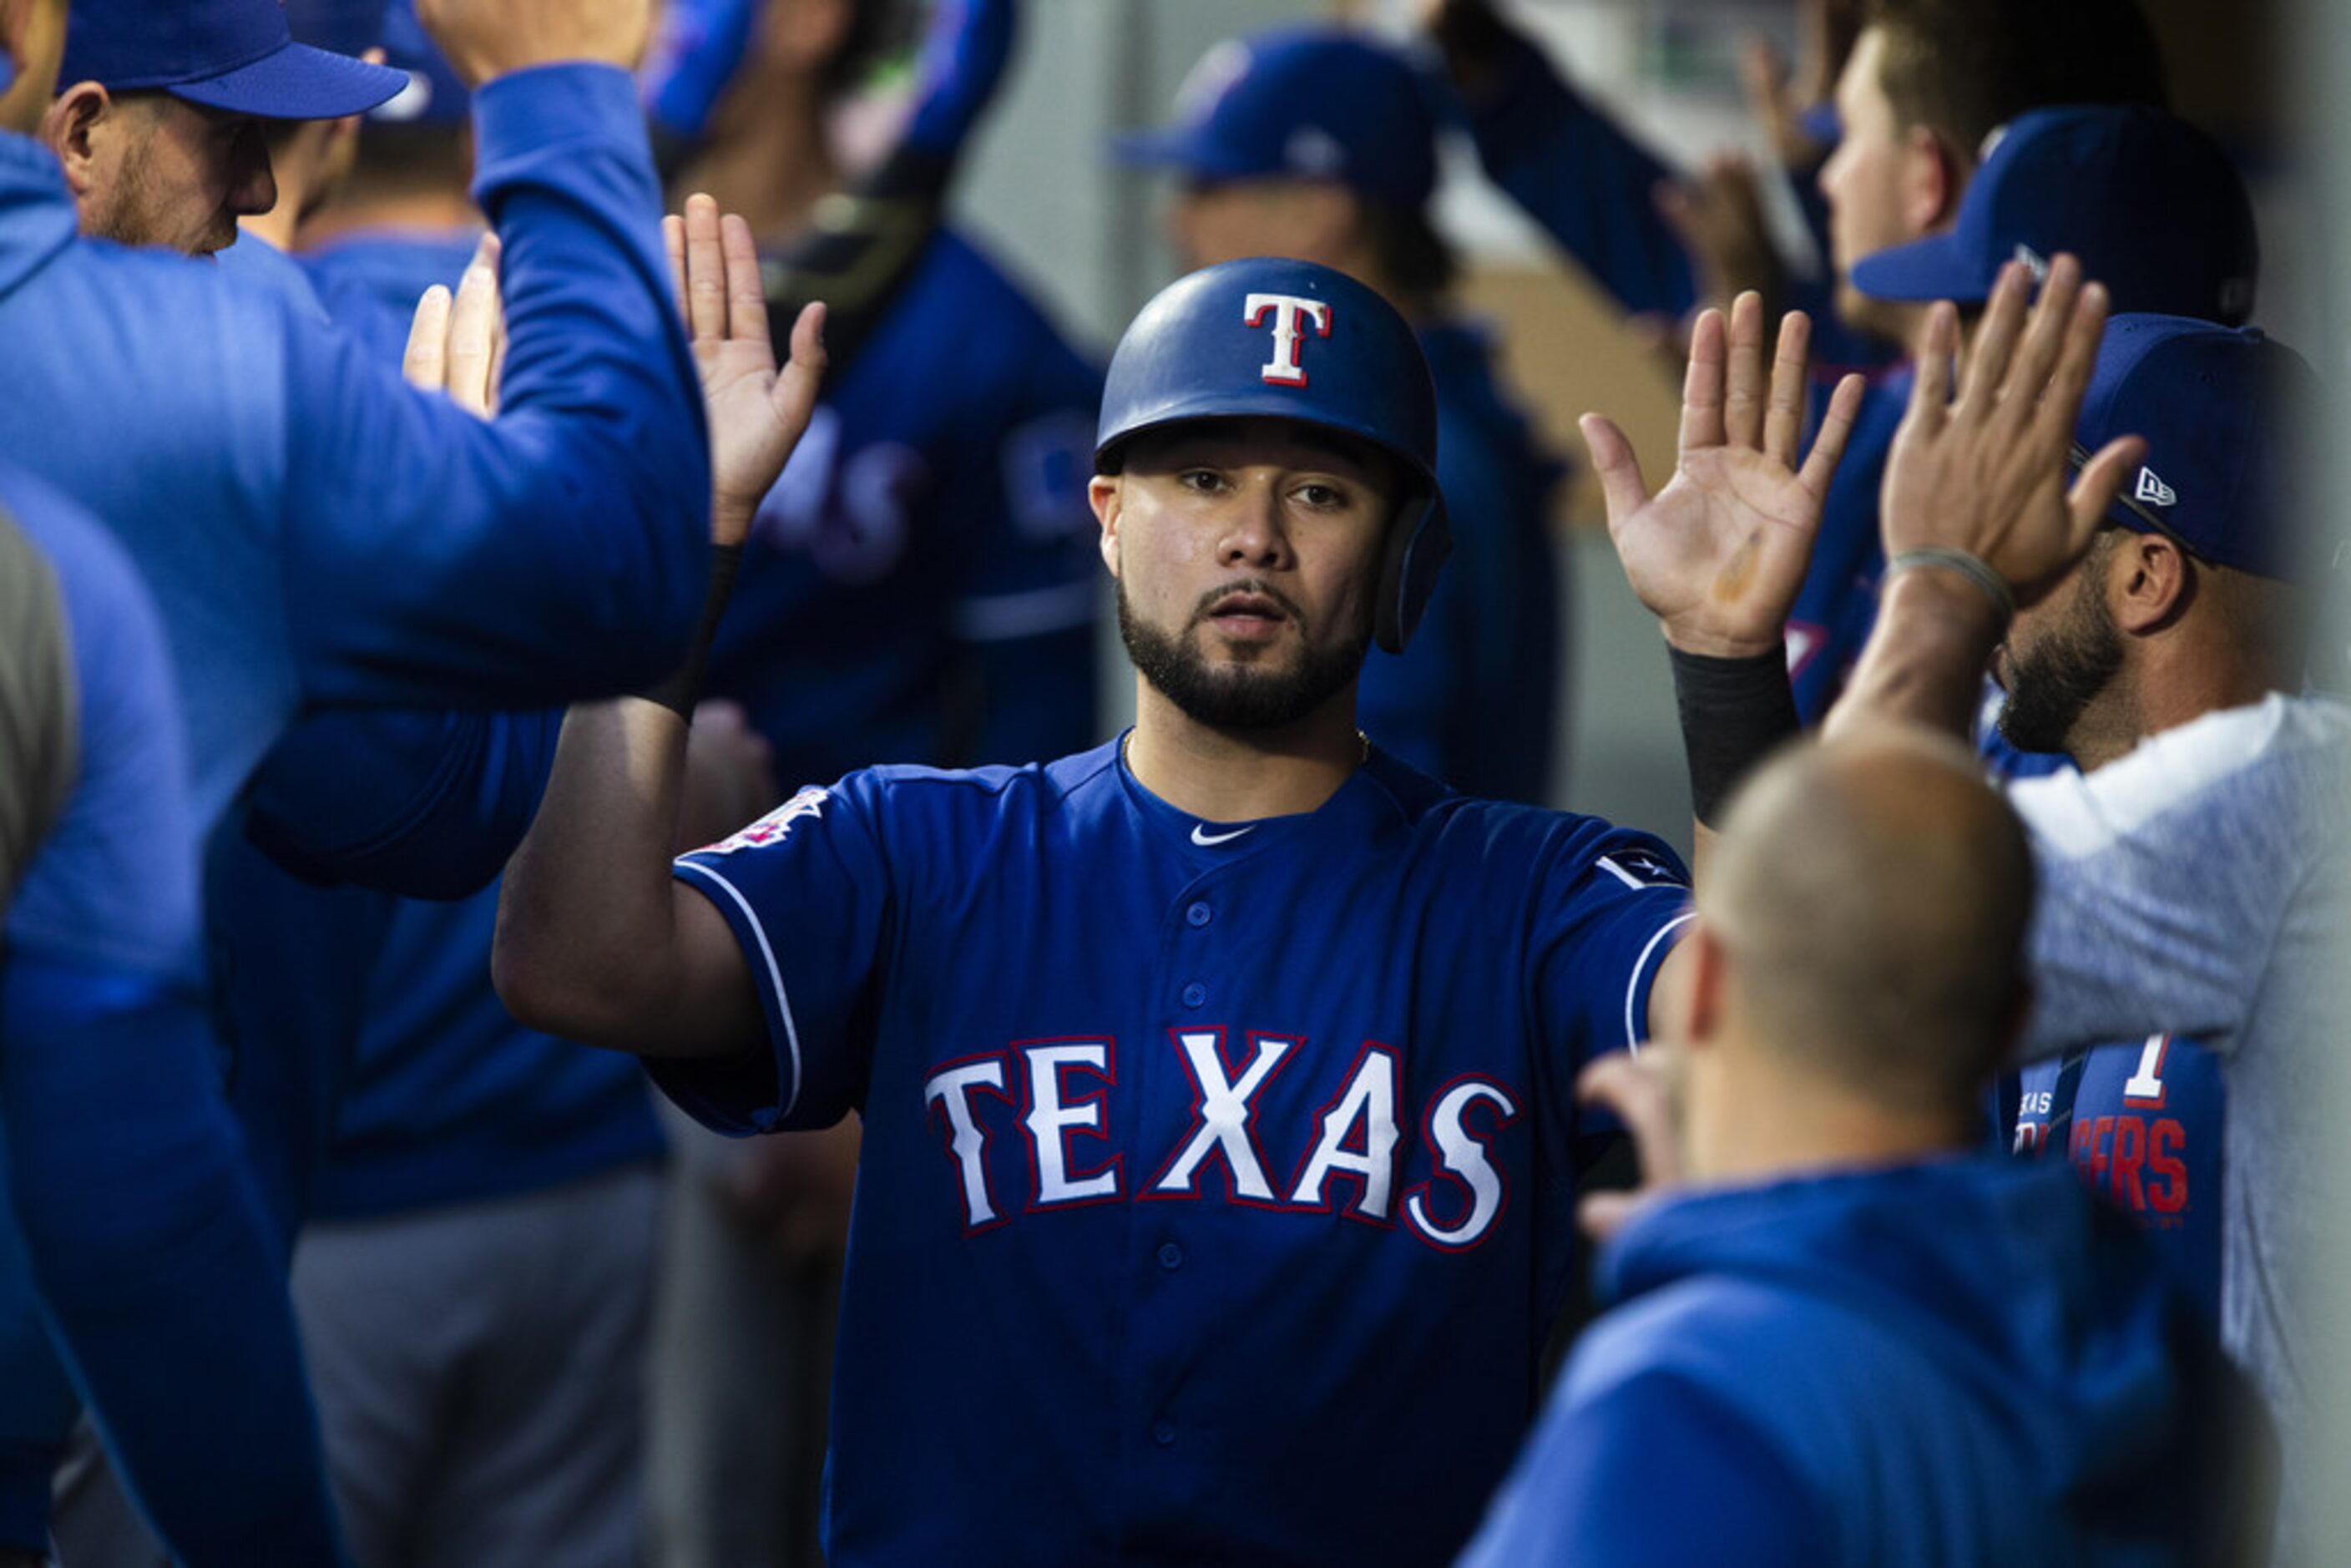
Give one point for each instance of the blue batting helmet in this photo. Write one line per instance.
(1269, 339)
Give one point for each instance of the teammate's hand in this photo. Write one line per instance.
(1638, 1088)
(458, 345)
(795, 1187)
(1719, 554)
(730, 775)
(1987, 474)
(1473, 40)
(488, 38)
(1718, 216)
(757, 413)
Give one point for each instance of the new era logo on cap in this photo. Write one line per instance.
(2154, 492)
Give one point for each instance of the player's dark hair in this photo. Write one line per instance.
(392, 156)
(1414, 259)
(1965, 68)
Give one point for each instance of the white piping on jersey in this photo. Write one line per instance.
(1632, 1035)
(775, 976)
(1005, 616)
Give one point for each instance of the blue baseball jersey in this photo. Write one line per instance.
(1203, 1162)
(1577, 174)
(2141, 1119)
(1473, 699)
(2143, 1124)
(1830, 621)
(930, 538)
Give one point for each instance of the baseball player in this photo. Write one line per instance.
(1215, 1081)
(2153, 208)
(1928, 84)
(1317, 143)
(1838, 1342)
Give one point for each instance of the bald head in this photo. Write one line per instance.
(1870, 896)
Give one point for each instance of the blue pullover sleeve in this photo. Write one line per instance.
(423, 804)
(560, 551)
(1583, 179)
(156, 1265)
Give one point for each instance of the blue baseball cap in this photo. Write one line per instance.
(340, 27)
(239, 56)
(1308, 103)
(2216, 405)
(2150, 204)
(435, 94)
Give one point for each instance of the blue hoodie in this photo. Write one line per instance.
(1964, 1361)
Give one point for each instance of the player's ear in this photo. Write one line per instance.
(1701, 987)
(1933, 181)
(2149, 583)
(1102, 493)
(73, 128)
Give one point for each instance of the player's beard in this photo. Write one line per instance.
(2051, 687)
(1237, 696)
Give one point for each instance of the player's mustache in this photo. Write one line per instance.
(1253, 588)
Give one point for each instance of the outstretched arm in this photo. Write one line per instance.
(595, 942)
(1719, 553)
(1976, 496)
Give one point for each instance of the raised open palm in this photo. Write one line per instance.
(1719, 554)
(757, 412)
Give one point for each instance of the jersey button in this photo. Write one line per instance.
(1162, 1432)
(1195, 994)
(1199, 915)
(1170, 1255)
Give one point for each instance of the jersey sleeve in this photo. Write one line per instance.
(2167, 878)
(809, 894)
(423, 804)
(1578, 175)
(560, 551)
(1616, 903)
(1653, 1472)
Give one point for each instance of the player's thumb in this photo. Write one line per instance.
(1621, 485)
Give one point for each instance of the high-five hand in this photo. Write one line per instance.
(457, 344)
(1719, 554)
(758, 413)
(1986, 474)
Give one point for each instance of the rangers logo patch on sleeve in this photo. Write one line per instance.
(1639, 868)
(776, 826)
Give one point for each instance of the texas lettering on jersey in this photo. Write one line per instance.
(1349, 1158)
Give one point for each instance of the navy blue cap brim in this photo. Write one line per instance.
(297, 82)
(1931, 269)
(1184, 151)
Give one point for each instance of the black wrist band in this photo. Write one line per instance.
(1733, 712)
(684, 688)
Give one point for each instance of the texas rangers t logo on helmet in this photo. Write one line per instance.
(1291, 315)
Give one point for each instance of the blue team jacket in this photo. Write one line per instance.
(1964, 1361)
(317, 536)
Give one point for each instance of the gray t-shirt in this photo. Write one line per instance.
(2199, 885)
(37, 703)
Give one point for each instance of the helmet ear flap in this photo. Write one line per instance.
(1419, 543)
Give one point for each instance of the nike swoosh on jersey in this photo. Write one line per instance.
(1202, 836)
